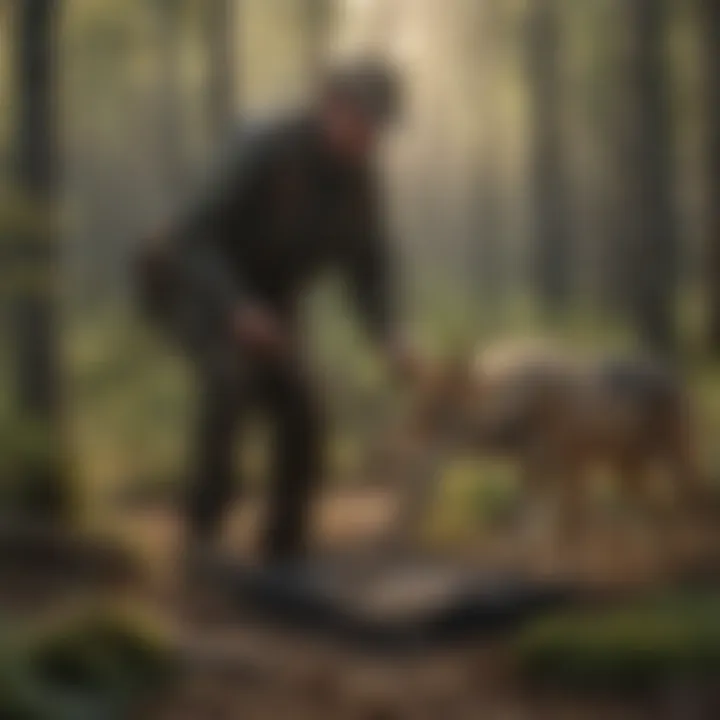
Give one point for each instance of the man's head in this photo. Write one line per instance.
(357, 102)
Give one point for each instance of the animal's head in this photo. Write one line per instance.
(444, 396)
(441, 397)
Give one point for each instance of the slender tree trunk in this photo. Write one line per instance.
(552, 262)
(36, 306)
(43, 492)
(652, 221)
(610, 116)
(222, 57)
(488, 260)
(317, 23)
(711, 24)
(170, 126)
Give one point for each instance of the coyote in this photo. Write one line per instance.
(558, 414)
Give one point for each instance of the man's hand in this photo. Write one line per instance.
(256, 329)
(156, 276)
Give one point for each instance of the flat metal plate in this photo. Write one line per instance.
(391, 605)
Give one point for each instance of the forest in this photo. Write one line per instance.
(555, 174)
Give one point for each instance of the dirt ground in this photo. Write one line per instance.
(235, 668)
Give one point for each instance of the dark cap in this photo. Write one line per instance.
(371, 85)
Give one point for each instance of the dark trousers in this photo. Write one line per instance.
(229, 390)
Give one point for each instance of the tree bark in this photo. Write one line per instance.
(317, 17)
(170, 126)
(711, 26)
(35, 307)
(487, 258)
(551, 254)
(41, 490)
(610, 116)
(652, 220)
(222, 57)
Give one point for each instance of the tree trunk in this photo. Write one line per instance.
(35, 304)
(711, 25)
(222, 56)
(552, 245)
(610, 116)
(317, 17)
(651, 217)
(35, 310)
(170, 126)
(487, 258)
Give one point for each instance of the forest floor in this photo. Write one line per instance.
(235, 668)
(271, 675)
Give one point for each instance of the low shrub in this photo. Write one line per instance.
(643, 645)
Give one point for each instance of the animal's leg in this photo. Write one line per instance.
(543, 474)
(632, 480)
(418, 485)
(680, 460)
(536, 484)
(689, 513)
(631, 471)
(572, 521)
(638, 481)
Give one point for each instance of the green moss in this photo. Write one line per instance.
(642, 645)
(37, 479)
(98, 665)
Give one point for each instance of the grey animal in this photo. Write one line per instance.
(560, 415)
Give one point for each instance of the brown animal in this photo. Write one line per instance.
(560, 415)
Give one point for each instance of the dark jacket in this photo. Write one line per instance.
(280, 211)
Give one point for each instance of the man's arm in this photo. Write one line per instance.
(371, 277)
(374, 282)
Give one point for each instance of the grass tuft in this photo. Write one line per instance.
(640, 646)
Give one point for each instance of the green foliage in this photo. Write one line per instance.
(638, 646)
(474, 496)
(130, 411)
(37, 481)
(94, 666)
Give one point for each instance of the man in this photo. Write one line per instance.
(297, 196)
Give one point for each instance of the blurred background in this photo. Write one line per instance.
(556, 172)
